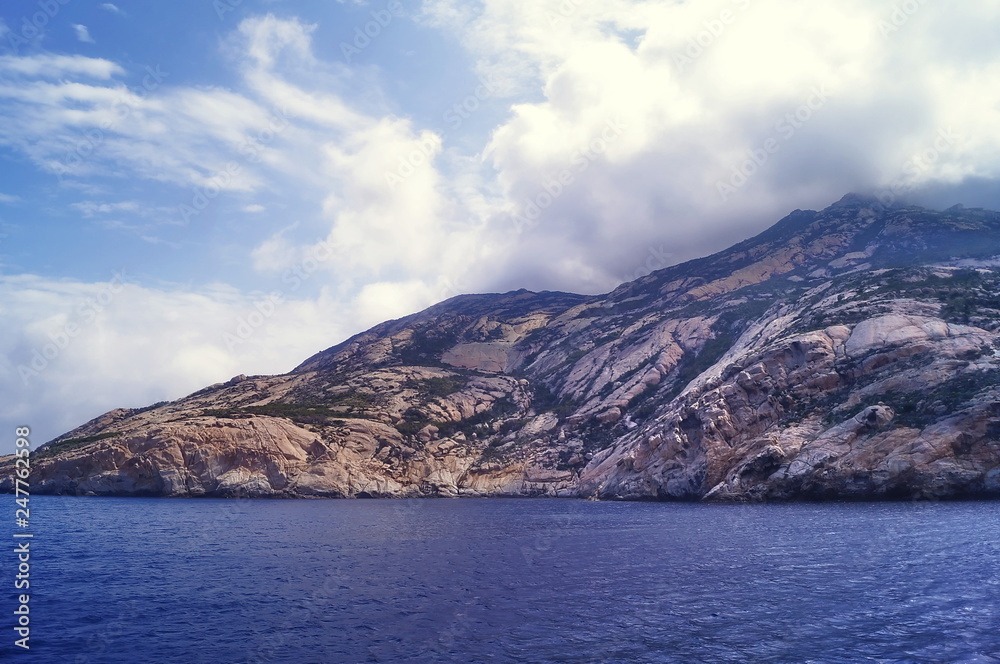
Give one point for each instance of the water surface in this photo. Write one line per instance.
(510, 580)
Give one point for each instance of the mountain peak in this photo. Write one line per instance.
(855, 200)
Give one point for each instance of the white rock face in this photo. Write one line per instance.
(490, 357)
(894, 330)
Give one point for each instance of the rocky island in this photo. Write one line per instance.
(850, 353)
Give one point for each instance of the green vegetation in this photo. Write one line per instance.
(608, 338)
(545, 400)
(351, 399)
(597, 435)
(966, 296)
(611, 386)
(645, 406)
(919, 409)
(933, 236)
(301, 413)
(963, 295)
(425, 347)
(692, 365)
(411, 427)
(480, 424)
(440, 386)
(949, 395)
(136, 411)
(70, 444)
(626, 307)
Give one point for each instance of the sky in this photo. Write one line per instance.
(202, 188)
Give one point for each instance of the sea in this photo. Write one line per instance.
(126, 580)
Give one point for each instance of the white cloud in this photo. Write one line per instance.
(253, 208)
(305, 132)
(82, 33)
(91, 209)
(109, 7)
(179, 135)
(9, 199)
(274, 52)
(48, 65)
(74, 350)
(275, 254)
(267, 37)
(421, 228)
(192, 137)
(699, 87)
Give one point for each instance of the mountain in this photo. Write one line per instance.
(849, 353)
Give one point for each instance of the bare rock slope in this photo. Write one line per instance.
(850, 353)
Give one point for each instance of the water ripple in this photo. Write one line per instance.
(535, 581)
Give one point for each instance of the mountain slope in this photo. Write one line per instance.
(847, 353)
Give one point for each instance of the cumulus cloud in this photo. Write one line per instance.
(394, 219)
(732, 114)
(109, 7)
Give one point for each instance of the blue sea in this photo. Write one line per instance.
(507, 580)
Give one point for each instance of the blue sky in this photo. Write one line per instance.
(197, 189)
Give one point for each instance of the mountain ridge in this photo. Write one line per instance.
(847, 353)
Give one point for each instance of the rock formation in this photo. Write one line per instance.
(844, 354)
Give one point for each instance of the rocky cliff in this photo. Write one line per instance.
(850, 353)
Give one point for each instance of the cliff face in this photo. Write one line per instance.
(849, 353)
